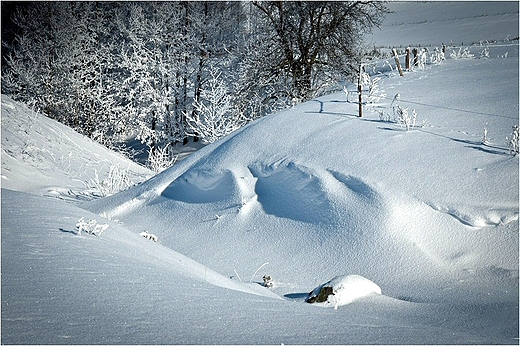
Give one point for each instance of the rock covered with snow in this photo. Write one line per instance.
(343, 290)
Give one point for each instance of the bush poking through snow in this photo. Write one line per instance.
(117, 180)
(513, 141)
(268, 281)
(150, 236)
(342, 290)
(404, 118)
(160, 158)
(91, 227)
(463, 53)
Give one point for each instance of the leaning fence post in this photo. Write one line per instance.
(396, 57)
(359, 88)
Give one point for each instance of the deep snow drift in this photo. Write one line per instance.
(429, 216)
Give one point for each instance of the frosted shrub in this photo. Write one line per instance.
(437, 57)
(485, 53)
(463, 53)
(149, 236)
(374, 92)
(404, 118)
(214, 116)
(117, 180)
(513, 141)
(160, 158)
(91, 227)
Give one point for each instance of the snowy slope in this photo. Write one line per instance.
(42, 156)
(428, 215)
(452, 23)
(342, 188)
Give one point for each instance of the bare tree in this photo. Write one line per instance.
(316, 41)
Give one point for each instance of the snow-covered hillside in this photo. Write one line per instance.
(452, 23)
(42, 156)
(428, 217)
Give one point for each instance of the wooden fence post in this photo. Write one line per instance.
(396, 57)
(408, 59)
(359, 88)
(415, 57)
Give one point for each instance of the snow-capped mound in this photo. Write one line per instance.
(343, 290)
(431, 215)
(315, 191)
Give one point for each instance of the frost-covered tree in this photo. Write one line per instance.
(215, 115)
(152, 69)
(40, 58)
(60, 63)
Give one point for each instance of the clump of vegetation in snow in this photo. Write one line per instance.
(268, 281)
(404, 118)
(462, 53)
(117, 180)
(91, 227)
(160, 158)
(513, 140)
(150, 236)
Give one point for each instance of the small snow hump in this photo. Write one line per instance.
(343, 290)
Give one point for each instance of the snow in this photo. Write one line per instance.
(452, 23)
(44, 157)
(345, 290)
(429, 216)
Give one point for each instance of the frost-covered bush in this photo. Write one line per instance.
(214, 116)
(512, 141)
(484, 53)
(160, 158)
(370, 89)
(462, 53)
(374, 91)
(117, 180)
(404, 118)
(91, 227)
(150, 236)
(437, 56)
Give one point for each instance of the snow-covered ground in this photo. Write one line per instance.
(429, 216)
(433, 23)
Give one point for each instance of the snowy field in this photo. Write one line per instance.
(424, 221)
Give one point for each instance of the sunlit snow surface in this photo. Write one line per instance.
(430, 216)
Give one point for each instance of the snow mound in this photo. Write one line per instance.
(201, 186)
(343, 290)
(421, 211)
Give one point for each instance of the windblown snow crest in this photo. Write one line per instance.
(283, 188)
